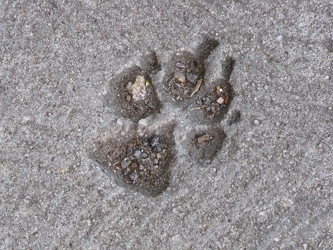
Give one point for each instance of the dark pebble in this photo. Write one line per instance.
(125, 163)
(127, 171)
(144, 155)
(145, 162)
(145, 143)
(205, 101)
(133, 176)
(157, 149)
(154, 142)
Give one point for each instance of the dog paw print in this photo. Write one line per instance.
(142, 160)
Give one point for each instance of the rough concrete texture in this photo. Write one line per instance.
(270, 185)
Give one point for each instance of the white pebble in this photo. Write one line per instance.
(256, 122)
(143, 122)
(120, 121)
(220, 100)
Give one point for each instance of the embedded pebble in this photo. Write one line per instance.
(203, 138)
(125, 163)
(129, 86)
(133, 176)
(256, 122)
(143, 122)
(120, 121)
(157, 149)
(126, 171)
(137, 154)
(206, 101)
(220, 100)
(155, 141)
(180, 65)
(191, 77)
(179, 77)
(138, 89)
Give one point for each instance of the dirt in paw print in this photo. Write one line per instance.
(215, 102)
(135, 94)
(204, 143)
(141, 162)
(143, 157)
(186, 70)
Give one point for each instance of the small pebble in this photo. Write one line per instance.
(256, 122)
(143, 122)
(145, 162)
(126, 171)
(192, 77)
(137, 154)
(157, 149)
(134, 176)
(180, 65)
(179, 77)
(220, 100)
(120, 121)
(144, 155)
(155, 161)
(203, 138)
(145, 143)
(138, 89)
(129, 85)
(155, 141)
(125, 163)
(206, 101)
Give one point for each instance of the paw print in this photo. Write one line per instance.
(142, 160)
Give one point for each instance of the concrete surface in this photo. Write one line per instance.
(271, 185)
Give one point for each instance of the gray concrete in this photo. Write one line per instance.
(271, 185)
